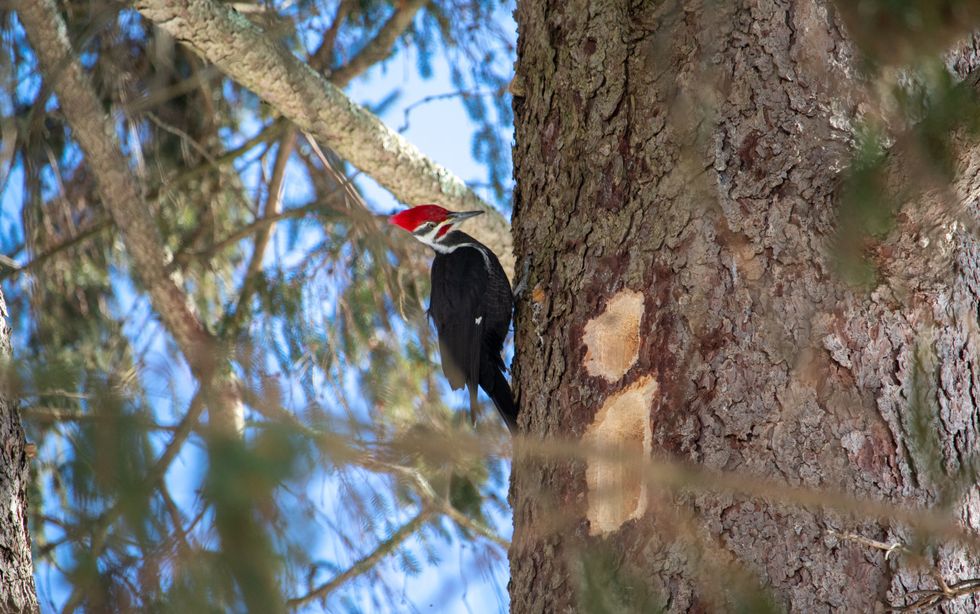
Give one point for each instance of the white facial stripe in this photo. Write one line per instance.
(429, 237)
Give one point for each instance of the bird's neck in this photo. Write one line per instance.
(453, 240)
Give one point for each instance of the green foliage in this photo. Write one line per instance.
(747, 595)
(604, 587)
(465, 496)
(865, 211)
(941, 109)
(923, 412)
(193, 581)
(941, 114)
(895, 31)
(240, 485)
(112, 456)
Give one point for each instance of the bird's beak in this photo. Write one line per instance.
(463, 215)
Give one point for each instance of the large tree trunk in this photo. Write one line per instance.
(17, 592)
(676, 170)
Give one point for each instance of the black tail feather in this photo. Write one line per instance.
(497, 388)
(474, 404)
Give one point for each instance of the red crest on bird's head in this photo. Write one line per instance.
(410, 219)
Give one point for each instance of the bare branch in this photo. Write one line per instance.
(254, 227)
(379, 48)
(323, 56)
(889, 549)
(365, 563)
(931, 598)
(92, 230)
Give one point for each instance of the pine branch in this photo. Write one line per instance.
(90, 231)
(243, 51)
(96, 227)
(121, 196)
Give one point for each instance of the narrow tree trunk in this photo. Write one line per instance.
(17, 593)
(676, 167)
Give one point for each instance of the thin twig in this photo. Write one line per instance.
(249, 229)
(927, 598)
(163, 94)
(381, 46)
(182, 135)
(90, 231)
(347, 183)
(367, 562)
(432, 499)
(890, 549)
(323, 56)
(434, 97)
(273, 207)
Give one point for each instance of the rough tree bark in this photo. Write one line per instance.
(676, 170)
(17, 592)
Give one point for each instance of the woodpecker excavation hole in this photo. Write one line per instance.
(622, 436)
(612, 339)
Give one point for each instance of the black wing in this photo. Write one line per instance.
(497, 303)
(458, 282)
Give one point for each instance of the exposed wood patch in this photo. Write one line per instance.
(612, 339)
(621, 431)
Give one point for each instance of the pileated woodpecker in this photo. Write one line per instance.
(471, 305)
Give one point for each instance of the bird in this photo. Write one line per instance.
(471, 305)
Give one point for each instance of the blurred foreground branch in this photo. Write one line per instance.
(457, 446)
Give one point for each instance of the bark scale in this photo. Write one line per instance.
(677, 169)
